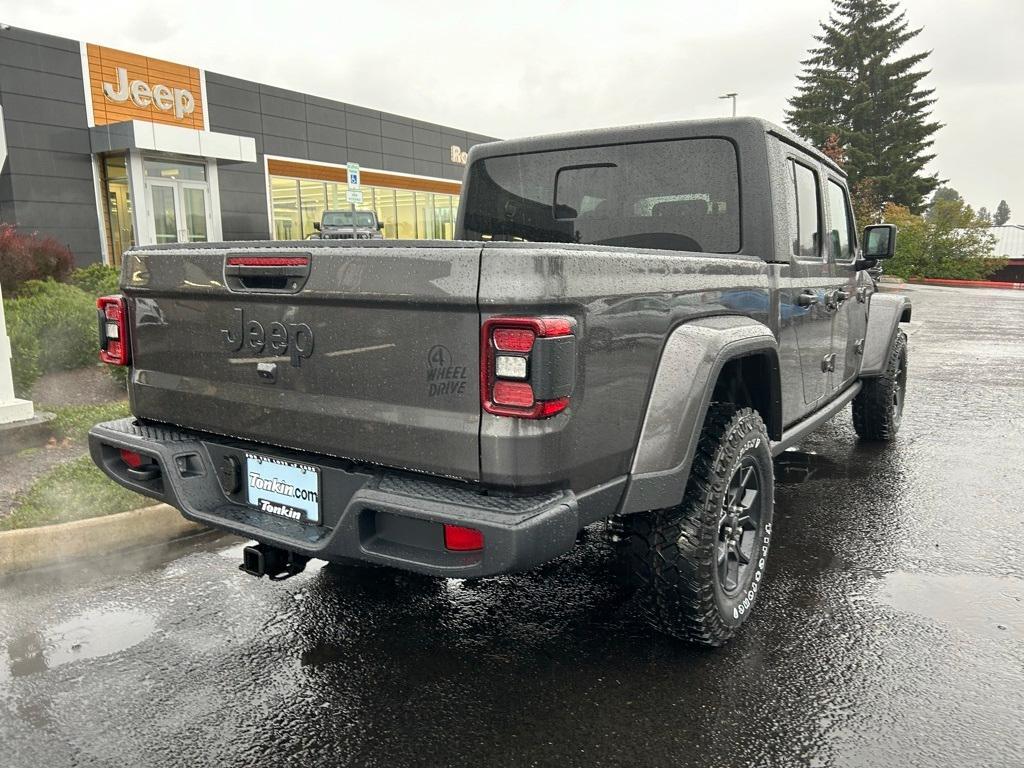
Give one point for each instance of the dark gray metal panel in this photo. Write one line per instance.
(284, 127)
(28, 82)
(40, 214)
(35, 136)
(41, 162)
(427, 168)
(399, 164)
(54, 189)
(219, 96)
(427, 152)
(452, 171)
(364, 141)
(36, 109)
(291, 108)
(232, 120)
(231, 82)
(324, 134)
(398, 131)
(356, 121)
(244, 201)
(244, 226)
(357, 110)
(328, 153)
(397, 147)
(47, 182)
(426, 133)
(39, 57)
(274, 92)
(369, 159)
(332, 117)
(276, 145)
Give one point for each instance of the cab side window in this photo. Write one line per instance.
(804, 216)
(840, 234)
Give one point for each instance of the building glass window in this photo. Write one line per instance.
(444, 221)
(284, 193)
(405, 202)
(118, 203)
(405, 214)
(386, 211)
(313, 201)
(425, 216)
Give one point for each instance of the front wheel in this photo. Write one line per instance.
(878, 407)
(699, 566)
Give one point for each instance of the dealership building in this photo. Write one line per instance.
(105, 149)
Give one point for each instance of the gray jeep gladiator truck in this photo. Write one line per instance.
(630, 325)
(348, 225)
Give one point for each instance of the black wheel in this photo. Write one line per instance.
(878, 407)
(699, 566)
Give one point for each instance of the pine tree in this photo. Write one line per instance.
(857, 85)
(1002, 214)
(984, 216)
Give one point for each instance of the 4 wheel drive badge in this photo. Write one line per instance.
(294, 340)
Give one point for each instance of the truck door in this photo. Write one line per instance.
(803, 298)
(848, 299)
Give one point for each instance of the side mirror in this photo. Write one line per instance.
(380, 225)
(879, 241)
(316, 225)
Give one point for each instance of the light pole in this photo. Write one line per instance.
(733, 97)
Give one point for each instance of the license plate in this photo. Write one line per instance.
(283, 488)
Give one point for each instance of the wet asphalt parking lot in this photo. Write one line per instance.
(891, 631)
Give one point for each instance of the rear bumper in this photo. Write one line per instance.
(369, 513)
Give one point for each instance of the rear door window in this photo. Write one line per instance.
(674, 195)
(804, 212)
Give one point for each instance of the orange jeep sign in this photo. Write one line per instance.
(125, 86)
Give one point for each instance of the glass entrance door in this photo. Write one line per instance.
(179, 201)
(164, 211)
(195, 212)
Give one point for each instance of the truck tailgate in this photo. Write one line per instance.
(366, 351)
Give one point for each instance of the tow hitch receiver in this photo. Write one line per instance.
(276, 564)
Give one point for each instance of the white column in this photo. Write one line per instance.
(11, 408)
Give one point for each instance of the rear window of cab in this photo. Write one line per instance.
(678, 195)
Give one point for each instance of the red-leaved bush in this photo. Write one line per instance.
(25, 256)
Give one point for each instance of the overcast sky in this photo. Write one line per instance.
(524, 67)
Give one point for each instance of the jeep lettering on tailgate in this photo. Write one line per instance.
(294, 340)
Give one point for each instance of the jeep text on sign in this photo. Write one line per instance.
(125, 86)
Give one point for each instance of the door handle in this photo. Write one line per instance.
(807, 299)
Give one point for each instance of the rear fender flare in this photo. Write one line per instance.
(885, 313)
(688, 371)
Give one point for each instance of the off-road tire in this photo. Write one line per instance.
(878, 407)
(673, 553)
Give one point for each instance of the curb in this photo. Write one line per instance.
(966, 283)
(26, 548)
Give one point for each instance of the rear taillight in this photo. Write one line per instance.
(527, 366)
(113, 327)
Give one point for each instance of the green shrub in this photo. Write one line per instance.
(97, 279)
(52, 327)
(25, 257)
